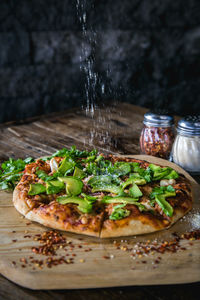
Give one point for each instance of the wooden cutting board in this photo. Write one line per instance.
(98, 263)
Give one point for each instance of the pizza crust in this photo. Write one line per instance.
(39, 216)
(20, 205)
(50, 222)
(137, 227)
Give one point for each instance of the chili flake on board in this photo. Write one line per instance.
(51, 241)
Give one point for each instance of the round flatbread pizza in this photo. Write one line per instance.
(101, 195)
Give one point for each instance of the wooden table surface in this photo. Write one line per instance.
(112, 129)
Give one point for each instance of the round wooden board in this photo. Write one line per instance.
(96, 271)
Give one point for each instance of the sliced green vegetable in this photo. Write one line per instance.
(36, 189)
(119, 213)
(122, 168)
(54, 186)
(163, 173)
(79, 173)
(125, 200)
(84, 205)
(166, 207)
(172, 175)
(110, 188)
(167, 191)
(134, 179)
(67, 166)
(99, 180)
(89, 198)
(119, 199)
(134, 191)
(73, 185)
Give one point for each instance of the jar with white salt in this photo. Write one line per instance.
(186, 147)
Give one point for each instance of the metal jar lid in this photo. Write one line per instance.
(158, 119)
(189, 126)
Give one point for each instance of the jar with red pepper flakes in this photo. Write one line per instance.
(157, 135)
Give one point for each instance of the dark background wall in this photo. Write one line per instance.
(147, 53)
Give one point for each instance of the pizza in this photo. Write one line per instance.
(101, 195)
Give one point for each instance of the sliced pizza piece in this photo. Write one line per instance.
(46, 202)
(158, 208)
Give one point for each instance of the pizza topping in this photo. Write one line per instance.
(163, 173)
(165, 206)
(36, 189)
(11, 172)
(84, 220)
(109, 188)
(166, 182)
(135, 191)
(133, 179)
(43, 175)
(73, 185)
(54, 165)
(125, 200)
(119, 199)
(67, 166)
(159, 194)
(168, 191)
(85, 204)
(119, 213)
(54, 187)
(79, 173)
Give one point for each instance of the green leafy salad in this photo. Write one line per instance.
(85, 177)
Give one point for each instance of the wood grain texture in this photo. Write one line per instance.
(180, 267)
(40, 136)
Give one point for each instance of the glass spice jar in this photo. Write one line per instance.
(186, 148)
(157, 135)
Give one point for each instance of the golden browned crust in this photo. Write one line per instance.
(68, 218)
(51, 221)
(141, 224)
(20, 203)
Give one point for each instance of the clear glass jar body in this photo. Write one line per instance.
(157, 141)
(186, 152)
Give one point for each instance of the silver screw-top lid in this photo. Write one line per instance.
(158, 119)
(189, 125)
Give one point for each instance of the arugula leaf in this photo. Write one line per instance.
(28, 160)
(4, 185)
(119, 213)
(11, 172)
(73, 153)
(43, 175)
